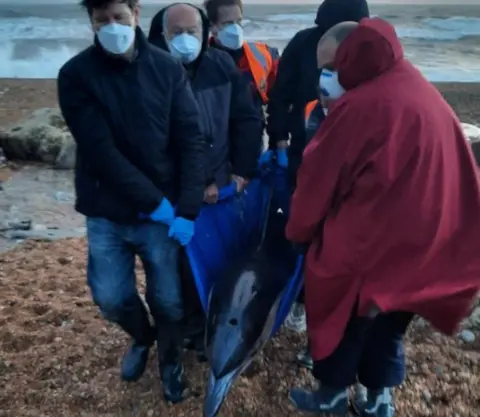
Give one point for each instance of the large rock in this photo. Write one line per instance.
(472, 133)
(42, 137)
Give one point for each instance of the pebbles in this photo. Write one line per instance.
(58, 357)
(467, 336)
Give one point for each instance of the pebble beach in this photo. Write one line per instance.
(59, 358)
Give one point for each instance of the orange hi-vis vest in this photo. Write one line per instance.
(308, 109)
(260, 62)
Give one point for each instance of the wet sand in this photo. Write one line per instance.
(34, 192)
(59, 358)
(19, 97)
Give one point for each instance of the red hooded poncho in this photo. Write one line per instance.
(388, 196)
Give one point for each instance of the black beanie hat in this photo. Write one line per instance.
(332, 12)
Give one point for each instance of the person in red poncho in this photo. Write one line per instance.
(388, 200)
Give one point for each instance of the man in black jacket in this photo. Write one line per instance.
(140, 152)
(297, 79)
(296, 85)
(229, 120)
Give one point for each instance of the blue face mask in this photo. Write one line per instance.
(116, 38)
(231, 36)
(185, 47)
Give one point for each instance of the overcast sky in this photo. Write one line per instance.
(419, 2)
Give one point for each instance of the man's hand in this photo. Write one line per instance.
(241, 183)
(210, 196)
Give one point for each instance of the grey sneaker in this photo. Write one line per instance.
(359, 398)
(379, 404)
(296, 319)
(325, 401)
(304, 359)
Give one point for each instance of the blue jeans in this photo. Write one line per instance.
(111, 277)
(371, 349)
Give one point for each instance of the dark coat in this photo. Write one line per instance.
(298, 76)
(229, 120)
(136, 126)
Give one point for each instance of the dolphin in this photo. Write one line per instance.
(243, 306)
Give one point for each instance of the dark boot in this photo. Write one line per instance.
(134, 362)
(170, 347)
(379, 404)
(325, 401)
(175, 388)
(136, 323)
(196, 344)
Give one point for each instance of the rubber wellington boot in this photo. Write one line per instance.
(325, 401)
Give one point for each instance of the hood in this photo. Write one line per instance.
(331, 12)
(155, 35)
(370, 50)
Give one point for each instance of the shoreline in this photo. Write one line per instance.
(21, 96)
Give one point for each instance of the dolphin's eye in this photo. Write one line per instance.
(233, 322)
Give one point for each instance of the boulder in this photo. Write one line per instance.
(472, 133)
(474, 319)
(42, 137)
(66, 156)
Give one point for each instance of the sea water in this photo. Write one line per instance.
(443, 41)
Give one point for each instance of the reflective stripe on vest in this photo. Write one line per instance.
(260, 63)
(308, 110)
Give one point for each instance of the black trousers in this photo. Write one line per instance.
(371, 350)
(301, 296)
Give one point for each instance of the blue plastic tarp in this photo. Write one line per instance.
(234, 226)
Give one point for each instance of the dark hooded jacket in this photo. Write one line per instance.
(137, 133)
(298, 75)
(229, 120)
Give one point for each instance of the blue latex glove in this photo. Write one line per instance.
(182, 230)
(265, 158)
(164, 213)
(282, 158)
(228, 191)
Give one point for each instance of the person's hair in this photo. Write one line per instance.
(212, 7)
(341, 31)
(90, 5)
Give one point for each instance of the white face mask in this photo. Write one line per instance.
(330, 87)
(231, 36)
(185, 47)
(116, 38)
